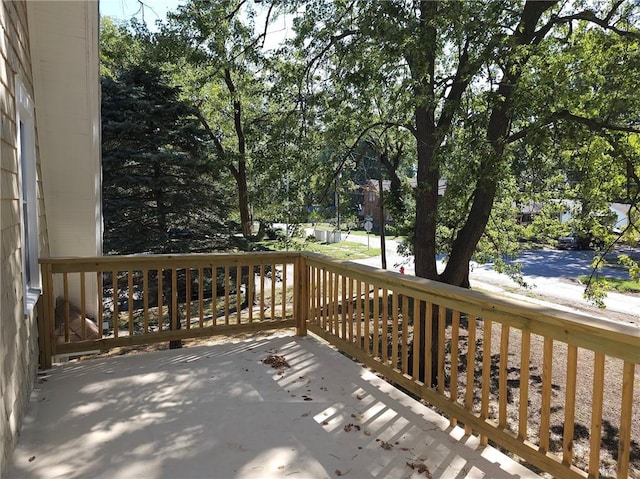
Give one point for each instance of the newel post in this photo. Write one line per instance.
(301, 295)
(46, 318)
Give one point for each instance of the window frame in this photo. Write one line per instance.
(28, 198)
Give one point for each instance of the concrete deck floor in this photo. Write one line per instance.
(219, 412)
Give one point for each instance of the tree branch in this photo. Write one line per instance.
(237, 111)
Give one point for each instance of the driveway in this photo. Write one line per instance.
(551, 276)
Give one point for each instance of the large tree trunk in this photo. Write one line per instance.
(428, 140)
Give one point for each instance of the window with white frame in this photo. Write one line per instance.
(26, 146)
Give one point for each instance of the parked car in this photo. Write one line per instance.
(578, 242)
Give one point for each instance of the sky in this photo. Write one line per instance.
(152, 10)
(149, 10)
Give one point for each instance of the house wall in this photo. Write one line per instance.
(18, 332)
(64, 40)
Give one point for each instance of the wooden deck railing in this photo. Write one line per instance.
(145, 299)
(553, 388)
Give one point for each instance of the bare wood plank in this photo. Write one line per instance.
(145, 301)
(626, 413)
(442, 325)
(284, 291)
(486, 375)
(227, 291)
(359, 312)
(417, 338)
(160, 301)
(394, 329)
(116, 300)
(336, 305)
(428, 339)
(569, 405)
(130, 297)
(502, 376)
(367, 318)
(471, 365)
(350, 310)
(596, 416)
(83, 299)
(523, 409)
(100, 305)
(547, 380)
(344, 309)
(376, 322)
(201, 296)
(214, 294)
(238, 293)
(174, 299)
(188, 297)
(262, 302)
(169, 335)
(385, 326)
(405, 334)
(455, 348)
(65, 289)
(250, 291)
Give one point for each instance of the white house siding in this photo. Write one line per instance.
(64, 44)
(18, 332)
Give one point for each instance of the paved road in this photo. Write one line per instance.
(550, 274)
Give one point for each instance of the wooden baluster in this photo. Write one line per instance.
(367, 318)
(214, 294)
(595, 436)
(455, 348)
(350, 311)
(174, 299)
(250, 290)
(442, 325)
(471, 366)
(417, 337)
(227, 293)
(188, 297)
(238, 294)
(116, 298)
(385, 326)
(376, 322)
(626, 415)
(344, 309)
(547, 381)
(100, 304)
(130, 297)
(486, 374)
(274, 276)
(201, 296)
(359, 313)
(394, 330)
(405, 334)
(83, 309)
(428, 338)
(502, 376)
(262, 302)
(284, 291)
(160, 299)
(525, 356)
(65, 289)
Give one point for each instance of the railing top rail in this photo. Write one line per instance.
(155, 261)
(614, 338)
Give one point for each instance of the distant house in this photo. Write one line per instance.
(371, 198)
(49, 174)
(567, 207)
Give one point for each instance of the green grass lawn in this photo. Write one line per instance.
(342, 250)
(619, 285)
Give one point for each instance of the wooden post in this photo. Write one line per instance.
(301, 294)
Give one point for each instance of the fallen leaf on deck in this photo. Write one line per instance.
(276, 361)
(32, 458)
(420, 467)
